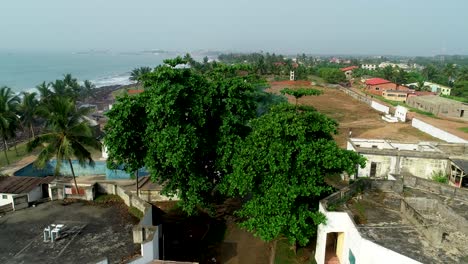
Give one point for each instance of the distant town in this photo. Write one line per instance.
(216, 157)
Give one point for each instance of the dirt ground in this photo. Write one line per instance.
(241, 247)
(354, 116)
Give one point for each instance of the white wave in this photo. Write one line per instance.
(121, 79)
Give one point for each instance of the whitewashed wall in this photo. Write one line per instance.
(380, 107)
(8, 200)
(436, 132)
(35, 194)
(400, 113)
(365, 251)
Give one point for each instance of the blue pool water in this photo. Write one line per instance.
(100, 168)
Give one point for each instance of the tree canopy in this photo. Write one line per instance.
(209, 134)
(281, 167)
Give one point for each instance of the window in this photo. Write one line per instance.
(377, 88)
(4, 196)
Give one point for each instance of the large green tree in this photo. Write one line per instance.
(125, 134)
(68, 136)
(9, 103)
(280, 168)
(332, 75)
(193, 121)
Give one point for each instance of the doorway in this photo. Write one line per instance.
(462, 113)
(45, 190)
(334, 248)
(373, 169)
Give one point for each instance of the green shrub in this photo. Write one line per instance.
(440, 177)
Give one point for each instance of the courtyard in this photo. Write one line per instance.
(91, 233)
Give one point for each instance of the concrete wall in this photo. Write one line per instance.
(436, 132)
(364, 99)
(35, 194)
(400, 113)
(145, 233)
(380, 107)
(365, 251)
(435, 187)
(423, 167)
(385, 166)
(7, 200)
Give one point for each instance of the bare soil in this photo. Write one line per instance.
(353, 116)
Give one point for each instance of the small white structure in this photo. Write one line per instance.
(291, 76)
(401, 112)
(386, 157)
(434, 87)
(15, 186)
(371, 67)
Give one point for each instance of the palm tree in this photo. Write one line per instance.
(44, 91)
(87, 90)
(421, 85)
(28, 111)
(8, 118)
(138, 73)
(450, 71)
(67, 138)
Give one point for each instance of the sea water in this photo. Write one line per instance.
(22, 71)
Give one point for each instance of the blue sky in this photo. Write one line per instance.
(398, 27)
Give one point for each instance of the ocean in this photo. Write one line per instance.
(22, 71)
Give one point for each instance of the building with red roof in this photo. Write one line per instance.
(350, 68)
(378, 85)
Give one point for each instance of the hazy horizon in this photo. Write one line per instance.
(359, 27)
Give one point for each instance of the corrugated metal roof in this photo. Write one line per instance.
(19, 184)
(462, 164)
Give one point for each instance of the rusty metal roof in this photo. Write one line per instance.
(20, 184)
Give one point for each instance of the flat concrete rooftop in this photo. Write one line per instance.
(92, 232)
(379, 218)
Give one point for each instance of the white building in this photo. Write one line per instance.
(378, 221)
(424, 159)
(35, 188)
(434, 87)
(371, 67)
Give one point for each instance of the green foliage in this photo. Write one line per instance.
(460, 89)
(107, 198)
(135, 212)
(68, 135)
(9, 121)
(440, 177)
(125, 133)
(332, 75)
(281, 167)
(300, 92)
(138, 74)
(464, 129)
(185, 127)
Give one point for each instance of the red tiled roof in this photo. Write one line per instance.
(20, 184)
(376, 81)
(135, 91)
(350, 68)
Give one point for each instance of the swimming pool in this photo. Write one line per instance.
(100, 168)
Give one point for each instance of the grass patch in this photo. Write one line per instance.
(108, 198)
(285, 254)
(456, 98)
(22, 152)
(135, 212)
(464, 129)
